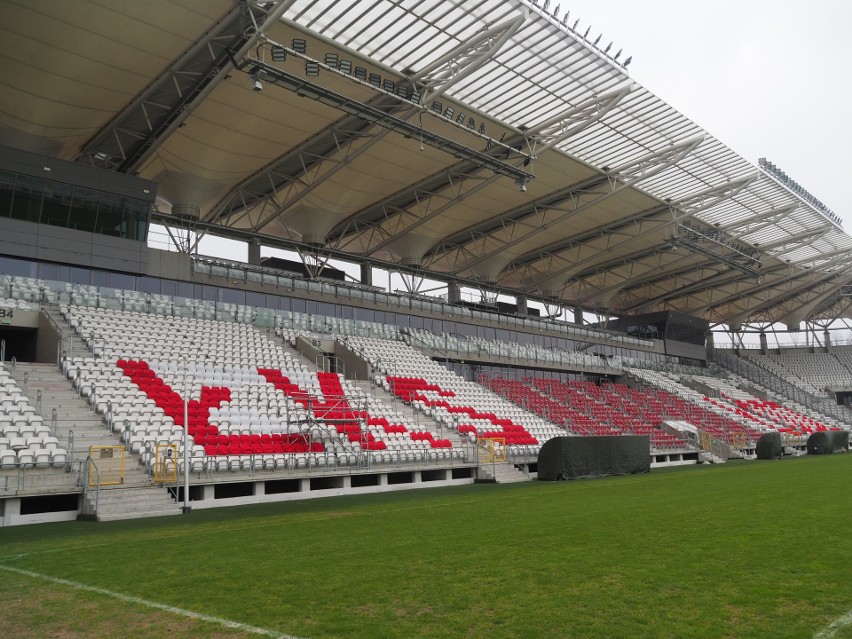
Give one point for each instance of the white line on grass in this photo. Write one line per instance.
(832, 629)
(233, 625)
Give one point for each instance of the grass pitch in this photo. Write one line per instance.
(757, 549)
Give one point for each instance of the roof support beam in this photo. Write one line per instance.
(773, 283)
(620, 178)
(682, 209)
(463, 179)
(136, 132)
(464, 59)
(386, 113)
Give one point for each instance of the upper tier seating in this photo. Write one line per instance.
(467, 346)
(812, 372)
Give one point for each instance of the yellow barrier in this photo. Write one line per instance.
(491, 449)
(109, 461)
(165, 463)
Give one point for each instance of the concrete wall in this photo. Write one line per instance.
(48, 340)
(356, 368)
(169, 265)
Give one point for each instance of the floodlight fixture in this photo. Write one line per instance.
(312, 69)
(300, 46)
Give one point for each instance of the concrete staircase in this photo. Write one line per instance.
(501, 473)
(70, 343)
(136, 502)
(78, 429)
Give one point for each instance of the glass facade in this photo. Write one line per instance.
(44, 201)
(405, 318)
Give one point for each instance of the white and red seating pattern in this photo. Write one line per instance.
(25, 440)
(759, 413)
(587, 409)
(617, 401)
(773, 415)
(272, 410)
(474, 410)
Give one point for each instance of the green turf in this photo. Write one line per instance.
(749, 549)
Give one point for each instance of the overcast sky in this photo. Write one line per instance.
(767, 78)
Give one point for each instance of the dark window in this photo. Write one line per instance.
(168, 287)
(148, 285)
(7, 189)
(120, 280)
(100, 278)
(22, 268)
(57, 203)
(48, 272)
(255, 299)
(84, 209)
(136, 213)
(184, 289)
(79, 275)
(110, 215)
(28, 196)
(233, 296)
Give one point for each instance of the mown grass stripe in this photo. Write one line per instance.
(197, 616)
(835, 626)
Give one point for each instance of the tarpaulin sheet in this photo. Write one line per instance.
(577, 457)
(828, 442)
(769, 446)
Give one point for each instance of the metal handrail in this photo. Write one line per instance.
(87, 481)
(59, 350)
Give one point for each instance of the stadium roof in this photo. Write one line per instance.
(484, 142)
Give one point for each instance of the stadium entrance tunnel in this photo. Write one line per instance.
(20, 343)
(600, 456)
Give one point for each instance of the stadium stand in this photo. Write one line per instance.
(272, 378)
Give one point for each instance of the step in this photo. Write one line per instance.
(116, 503)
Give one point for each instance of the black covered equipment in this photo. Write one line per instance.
(828, 442)
(769, 446)
(576, 457)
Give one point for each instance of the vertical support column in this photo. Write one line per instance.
(578, 316)
(710, 346)
(367, 274)
(453, 293)
(826, 340)
(254, 253)
(764, 345)
(522, 304)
